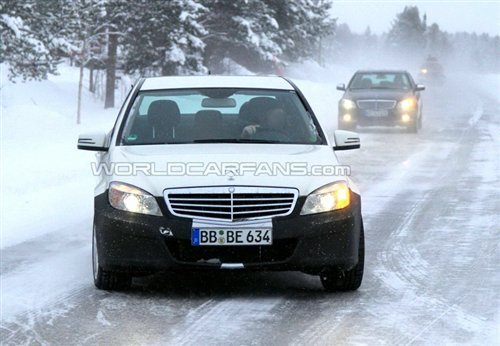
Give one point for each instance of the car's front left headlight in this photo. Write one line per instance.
(327, 198)
(347, 104)
(130, 198)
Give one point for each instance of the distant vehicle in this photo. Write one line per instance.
(144, 223)
(386, 98)
(432, 72)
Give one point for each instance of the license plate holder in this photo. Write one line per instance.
(231, 236)
(377, 113)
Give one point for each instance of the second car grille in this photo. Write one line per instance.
(231, 203)
(376, 104)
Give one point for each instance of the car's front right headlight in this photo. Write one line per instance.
(130, 198)
(327, 198)
(407, 104)
(347, 104)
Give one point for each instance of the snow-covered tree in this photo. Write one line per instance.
(244, 31)
(302, 24)
(260, 33)
(163, 37)
(369, 41)
(437, 42)
(31, 37)
(407, 34)
(85, 30)
(477, 52)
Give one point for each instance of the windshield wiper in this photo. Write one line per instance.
(235, 140)
(378, 88)
(154, 143)
(220, 140)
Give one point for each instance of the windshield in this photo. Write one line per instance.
(380, 81)
(219, 116)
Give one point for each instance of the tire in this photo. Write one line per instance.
(346, 280)
(413, 127)
(104, 279)
(420, 119)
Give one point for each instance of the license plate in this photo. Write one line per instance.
(235, 236)
(379, 113)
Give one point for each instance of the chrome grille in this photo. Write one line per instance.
(231, 203)
(376, 104)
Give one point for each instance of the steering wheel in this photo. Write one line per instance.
(271, 134)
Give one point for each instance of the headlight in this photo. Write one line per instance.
(130, 198)
(329, 197)
(423, 71)
(407, 104)
(347, 104)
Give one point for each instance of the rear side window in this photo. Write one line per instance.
(219, 115)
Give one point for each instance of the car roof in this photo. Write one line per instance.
(214, 81)
(381, 71)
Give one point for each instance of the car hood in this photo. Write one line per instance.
(215, 156)
(374, 94)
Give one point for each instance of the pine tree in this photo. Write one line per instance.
(31, 38)
(163, 38)
(406, 35)
(302, 24)
(244, 31)
(437, 43)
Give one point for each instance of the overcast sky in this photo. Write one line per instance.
(452, 16)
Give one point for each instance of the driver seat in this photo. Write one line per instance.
(163, 117)
(366, 83)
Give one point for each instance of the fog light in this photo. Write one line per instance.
(405, 118)
(347, 117)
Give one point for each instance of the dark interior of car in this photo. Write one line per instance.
(164, 123)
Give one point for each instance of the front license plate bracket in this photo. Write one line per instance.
(231, 237)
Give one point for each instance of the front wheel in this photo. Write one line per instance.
(346, 280)
(413, 127)
(104, 279)
(420, 119)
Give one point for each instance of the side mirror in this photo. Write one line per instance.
(92, 141)
(420, 87)
(341, 87)
(346, 140)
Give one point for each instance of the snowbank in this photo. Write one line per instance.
(46, 182)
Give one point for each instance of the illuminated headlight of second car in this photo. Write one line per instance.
(130, 198)
(407, 104)
(347, 104)
(327, 198)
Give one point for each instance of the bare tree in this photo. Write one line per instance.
(109, 101)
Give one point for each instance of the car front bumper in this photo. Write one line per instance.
(133, 242)
(394, 117)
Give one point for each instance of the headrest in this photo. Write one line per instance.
(252, 110)
(208, 116)
(163, 113)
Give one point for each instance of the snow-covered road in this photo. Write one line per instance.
(431, 206)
